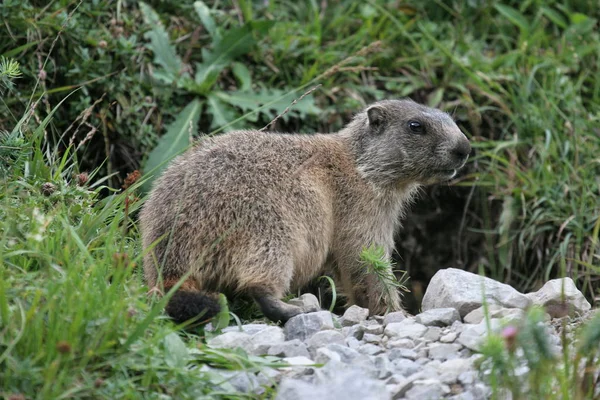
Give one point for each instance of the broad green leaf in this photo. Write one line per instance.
(242, 73)
(234, 43)
(160, 44)
(176, 352)
(221, 112)
(514, 16)
(173, 142)
(554, 16)
(209, 23)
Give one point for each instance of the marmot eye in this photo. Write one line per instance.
(415, 126)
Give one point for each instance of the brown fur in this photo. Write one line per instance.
(264, 213)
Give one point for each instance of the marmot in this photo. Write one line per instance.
(261, 213)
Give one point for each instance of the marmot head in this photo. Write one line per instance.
(400, 141)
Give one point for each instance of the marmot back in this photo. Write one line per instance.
(261, 214)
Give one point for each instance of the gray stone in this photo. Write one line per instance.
(438, 317)
(444, 351)
(494, 311)
(354, 315)
(383, 366)
(401, 343)
(353, 343)
(394, 354)
(468, 378)
(462, 290)
(242, 381)
(347, 354)
(291, 348)
(250, 329)
(370, 338)
(373, 329)
(346, 386)
(323, 356)
(370, 349)
(427, 389)
(303, 326)
(405, 367)
(433, 334)
(308, 302)
(472, 336)
(450, 370)
(551, 294)
(398, 388)
(406, 329)
(323, 338)
(262, 341)
(450, 337)
(356, 331)
(231, 340)
(396, 316)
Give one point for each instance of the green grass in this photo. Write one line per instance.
(522, 79)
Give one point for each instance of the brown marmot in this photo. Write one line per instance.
(261, 214)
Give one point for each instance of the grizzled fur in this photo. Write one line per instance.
(261, 214)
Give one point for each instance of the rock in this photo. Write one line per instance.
(354, 315)
(323, 356)
(427, 389)
(494, 311)
(370, 338)
(438, 317)
(370, 349)
(250, 329)
(472, 335)
(308, 302)
(405, 367)
(394, 354)
(323, 338)
(303, 326)
(356, 331)
(396, 316)
(551, 294)
(291, 348)
(383, 366)
(444, 351)
(231, 340)
(398, 386)
(243, 381)
(401, 343)
(449, 337)
(408, 328)
(353, 343)
(262, 341)
(450, 370)
(347, 386)
(462, 290)
(347, 354)
(433, 333)
(373, 329)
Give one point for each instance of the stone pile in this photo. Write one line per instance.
(431, 355)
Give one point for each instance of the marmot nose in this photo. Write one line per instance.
(462, 150)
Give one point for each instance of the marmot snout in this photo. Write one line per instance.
(261, 214)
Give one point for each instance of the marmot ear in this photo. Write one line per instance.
(376, 116)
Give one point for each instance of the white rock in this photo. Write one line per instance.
(427, 389)
(323, 338)
(346, 386)
(405, 367)
(323, 356)
(370, 349)
(308, 302)
(433, 333)
(231, 340)
(444, 351)
(438, 317)
(347, 354)
(291, 348)
(450, 370)
(264, 339)
(401, 343)
(472, 335)
(450, 337)
(462, 290)
(394, 354)
(370, 338)
(303, 326)
(551, 294)
(354, 315)
(408, 328)
(494, 311)
(250, 329)
(396, 316)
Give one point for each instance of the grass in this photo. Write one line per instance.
(522, 80)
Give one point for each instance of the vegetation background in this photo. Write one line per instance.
(91, 91)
